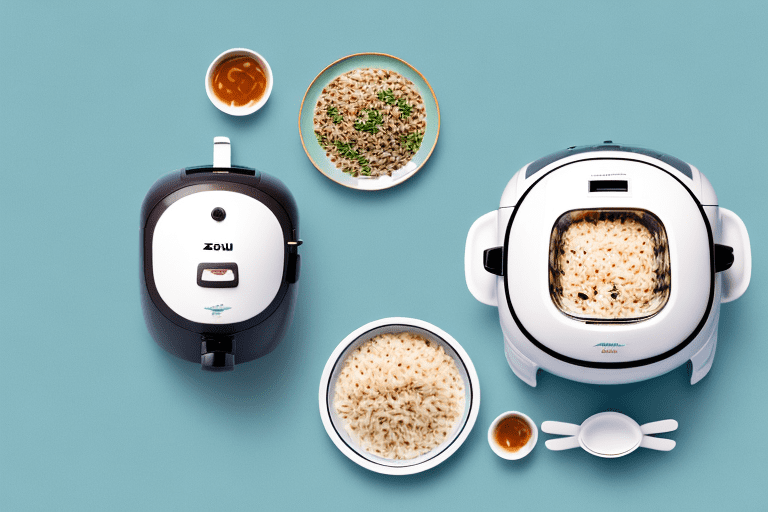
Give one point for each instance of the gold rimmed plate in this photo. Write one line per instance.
(317, 153)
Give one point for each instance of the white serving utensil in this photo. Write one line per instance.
(609, 434)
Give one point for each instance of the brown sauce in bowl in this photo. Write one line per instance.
(239, 81)
(512, 433)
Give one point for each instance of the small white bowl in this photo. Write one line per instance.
(229, 109)
(334, 425)
(522, 452)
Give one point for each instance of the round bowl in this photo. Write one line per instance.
(522, 452)
(229, 109)
(335, 425)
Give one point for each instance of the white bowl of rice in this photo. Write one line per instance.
(399, 396)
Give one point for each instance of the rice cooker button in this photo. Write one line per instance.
(217, 275)
(218, 214)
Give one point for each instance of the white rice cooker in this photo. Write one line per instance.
(518, 258)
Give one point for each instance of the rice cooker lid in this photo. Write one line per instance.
(217, 256)
(640, 186)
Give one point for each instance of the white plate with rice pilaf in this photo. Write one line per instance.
(369, 121)
(403, 428)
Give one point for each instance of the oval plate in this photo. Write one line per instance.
(317, 154)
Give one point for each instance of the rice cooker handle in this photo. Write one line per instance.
(294, 261)
(217, 352)
(733, 235)
(481, 255)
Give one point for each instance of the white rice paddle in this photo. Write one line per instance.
(609, 434)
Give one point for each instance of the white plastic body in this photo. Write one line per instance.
(249, 236)
(662, 195)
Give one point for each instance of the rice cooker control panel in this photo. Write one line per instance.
(218, 257)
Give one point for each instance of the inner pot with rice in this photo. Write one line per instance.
(608, 265)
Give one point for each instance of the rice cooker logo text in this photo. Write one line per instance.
(217, 247)
(609, 348)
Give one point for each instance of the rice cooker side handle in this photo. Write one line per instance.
(481, 237)
(734, 234)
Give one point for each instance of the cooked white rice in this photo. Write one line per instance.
(348, 102)
(399, 395)
(610, 269)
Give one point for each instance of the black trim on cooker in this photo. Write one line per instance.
(468, 407)
(623, 364)
(234, 169)
(608, 185)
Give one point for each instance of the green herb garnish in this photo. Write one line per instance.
(412, 141)
(347, 150)
(321, 139)
(405, 109)
(371, 125)
(334, 114)
(389, 98)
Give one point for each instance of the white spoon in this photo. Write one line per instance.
(609, 434)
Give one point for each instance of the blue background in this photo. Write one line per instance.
(100, 100)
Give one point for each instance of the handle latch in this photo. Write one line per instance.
(723, 257)
(493, 260)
